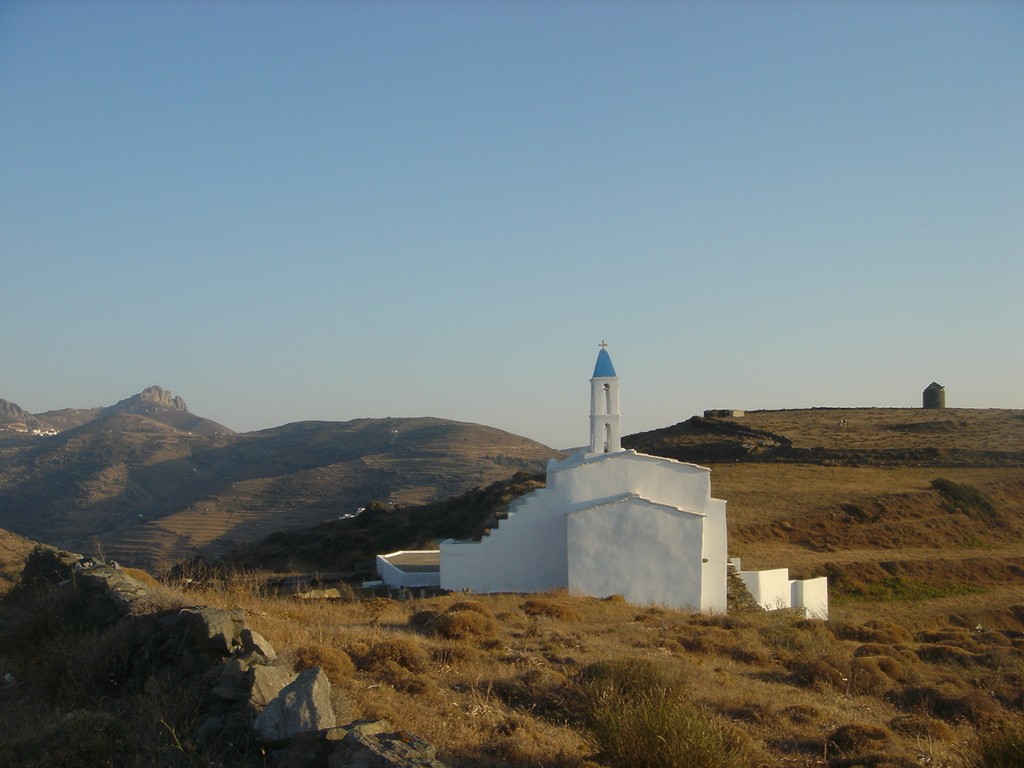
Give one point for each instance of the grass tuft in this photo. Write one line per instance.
(544, 606)
(1001, 748)
(335, 663)
(637, 719)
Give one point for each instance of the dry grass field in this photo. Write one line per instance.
(509, 680)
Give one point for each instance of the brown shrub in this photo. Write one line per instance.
(858, 738)
(399, 651)
(875, 631)
(654, 731)
(947, 654)
(750, 712)
(462, 625)
(747, 653)
(800, 713)
(424, 621)
(470, 605)
(629, 676)
(455, 653)
(652, 614)
(335, 663)
(541, 691)
(744, 647)
(958, 637)
(702, 640)
(894, 668)
(828, 670)
(543, 606)
(868, 677)
(796, 641)
(921, 726)
(881, 649)
(402, 679)
(951, 704)
(1001, 748)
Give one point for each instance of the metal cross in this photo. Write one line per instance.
(602, 345)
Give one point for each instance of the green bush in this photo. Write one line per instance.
(637, 719)
(655, 731)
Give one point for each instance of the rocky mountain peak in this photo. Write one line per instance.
(14, 413)
(11, 410)
(148, 398)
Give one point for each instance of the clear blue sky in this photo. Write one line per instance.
(326, 210)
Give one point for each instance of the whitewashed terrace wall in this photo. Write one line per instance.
(525, 553)
(396, 578)
(770, 589)
(812, 596)
(773, 589)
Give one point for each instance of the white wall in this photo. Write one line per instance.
(663, 481)
(715, 556)
(648, 553)
(396, 578)
(812, 596)
(770, 589)
(525, 553)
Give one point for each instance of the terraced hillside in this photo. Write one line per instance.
(859, 494)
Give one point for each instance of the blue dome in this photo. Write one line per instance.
(604, 368)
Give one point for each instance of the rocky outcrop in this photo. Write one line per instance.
(379, 745)
(360, 744)
(12, 413)
(148, 399)
(250, 694)
(301, 706)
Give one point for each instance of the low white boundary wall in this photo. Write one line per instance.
(396, 578)
(774, 590)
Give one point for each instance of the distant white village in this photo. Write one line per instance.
(610, 521)
(26, 431)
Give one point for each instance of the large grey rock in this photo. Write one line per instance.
(302, 705)
(254, 642)
(267, 682)
(214, 629)
(370, 745)
(48, 565)
(110, 592)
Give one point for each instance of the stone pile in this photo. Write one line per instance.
(249, 692)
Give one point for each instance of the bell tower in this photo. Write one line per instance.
(605, 434)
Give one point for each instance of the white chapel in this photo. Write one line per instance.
(610, 521)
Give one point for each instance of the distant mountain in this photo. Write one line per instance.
(155, 403)
(13, 416)
(148, 481)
